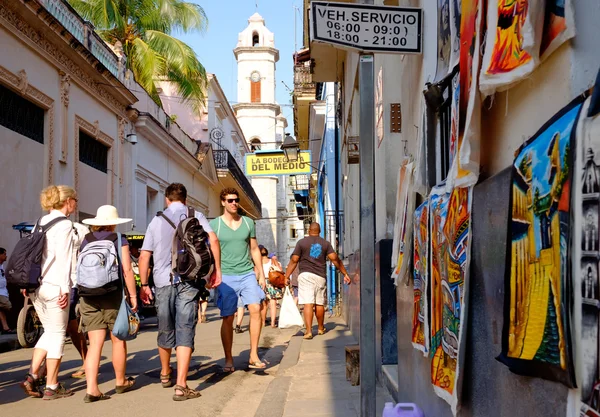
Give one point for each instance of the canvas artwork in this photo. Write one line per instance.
(511, 52)
(421, 185)
(538, 305)
(559, 26)
(586, 186)
(444, 44)
(455, 12)
(405, 202)
(420, 329)
(454, 117)
(450, 222)
(465, 168)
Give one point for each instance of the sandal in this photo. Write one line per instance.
(80, 374)
(31, 387)
(228, 369)
(308, 336)
(122, 389)
(89, 398)
(322, 332)
(165, 380)
(186, 393)
(256, 365)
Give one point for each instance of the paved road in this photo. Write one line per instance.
(237, 394)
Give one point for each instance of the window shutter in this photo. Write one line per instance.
(255, 92)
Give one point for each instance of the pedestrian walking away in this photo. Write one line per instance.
(103, 256)
(176, 298)
(273, 294)
(51, 299)
(311, 253)
(240, 254)
(5, 304)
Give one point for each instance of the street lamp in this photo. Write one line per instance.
(291, 148)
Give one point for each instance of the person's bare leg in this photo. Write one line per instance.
(263, 312)
(227, 340)
(308, 318)
(165, 361)
(36, 368)
(240, 316)
(273, 306)
(3, 321)
(53, 366)
(78, 339)
(119, 359)
(255, 329)
(184, 357)
(320, 313)
(92, 363)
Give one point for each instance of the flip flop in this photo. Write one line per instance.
(256, 365)
(80, 374)
(308, 336)
(322, 332)
(228, 369)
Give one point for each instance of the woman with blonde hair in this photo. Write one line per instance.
(51, 298)
(99, 312)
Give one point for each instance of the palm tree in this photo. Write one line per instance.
(145, 28)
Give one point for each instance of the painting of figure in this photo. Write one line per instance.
(537, 328)
(444, 45)
(420, 332)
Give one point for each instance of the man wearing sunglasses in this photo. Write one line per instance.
(239, 254)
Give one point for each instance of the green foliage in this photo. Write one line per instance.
(145, 28)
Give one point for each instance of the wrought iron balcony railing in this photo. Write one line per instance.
(225, 162)
(303, 80)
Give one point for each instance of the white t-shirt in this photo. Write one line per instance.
(3, 290)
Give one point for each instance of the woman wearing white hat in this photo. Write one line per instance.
(98, 313)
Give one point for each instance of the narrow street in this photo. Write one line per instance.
(310, 381)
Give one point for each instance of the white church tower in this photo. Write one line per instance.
(263, 125)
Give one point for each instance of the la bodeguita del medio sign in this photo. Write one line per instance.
(276, 163)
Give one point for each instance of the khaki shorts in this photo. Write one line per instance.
(5, 303)
(312, 289)
(99, 313)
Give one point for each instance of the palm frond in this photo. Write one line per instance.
(146, 64)
(103, 14)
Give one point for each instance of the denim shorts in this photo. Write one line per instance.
(177, 312)
(238, 290)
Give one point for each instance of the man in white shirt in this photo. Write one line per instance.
(5, 304)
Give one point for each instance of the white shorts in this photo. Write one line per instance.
(312, 289)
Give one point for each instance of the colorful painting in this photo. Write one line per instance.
(558, 26)
(444, 46)
(420, 329)
(450, 258)
(405, 203)
(455, 12)
(586, 243)
(537, 324)
(454, 117)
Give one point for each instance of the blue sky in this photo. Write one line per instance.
(227, 18)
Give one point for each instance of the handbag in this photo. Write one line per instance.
(276, 278)
(289, 316)
(127, 324)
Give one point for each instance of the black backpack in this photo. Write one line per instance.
(191, 257)
(24, 267)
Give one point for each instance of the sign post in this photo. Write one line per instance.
(368, 29)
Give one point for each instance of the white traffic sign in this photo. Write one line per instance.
(368, 28)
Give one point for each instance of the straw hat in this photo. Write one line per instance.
(106, 216)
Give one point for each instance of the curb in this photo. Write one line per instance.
(9, 344)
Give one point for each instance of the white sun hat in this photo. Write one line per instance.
(106, 216)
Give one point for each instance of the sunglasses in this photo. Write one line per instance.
(233, 200)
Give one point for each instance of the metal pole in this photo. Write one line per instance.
(368, 363)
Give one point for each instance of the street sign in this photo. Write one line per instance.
(275, 163)
(368, 28)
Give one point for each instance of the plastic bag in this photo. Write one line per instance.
(289, 316)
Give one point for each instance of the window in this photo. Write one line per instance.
(255, 91)
(21, 115)
(293, 233)
(92, 152)
(255, 145)
(292, 206)
(255, 39)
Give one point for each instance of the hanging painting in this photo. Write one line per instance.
(455, 6)
(450, 220)
(586, 186)
(513, 39)
(421, 185)
(559, 26)
(405, 202)
(420, 329)
(465, 168)
(538, 304)
(444, 45)
(454, 116)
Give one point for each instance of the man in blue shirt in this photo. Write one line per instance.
(176, 300)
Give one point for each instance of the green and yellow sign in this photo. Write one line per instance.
(275, 163)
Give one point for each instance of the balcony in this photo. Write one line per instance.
(303, 82)
(231, 175)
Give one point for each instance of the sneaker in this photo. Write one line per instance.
(59, 392)
(238, 329)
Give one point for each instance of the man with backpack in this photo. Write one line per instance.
(240, 254)
(177, 240)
